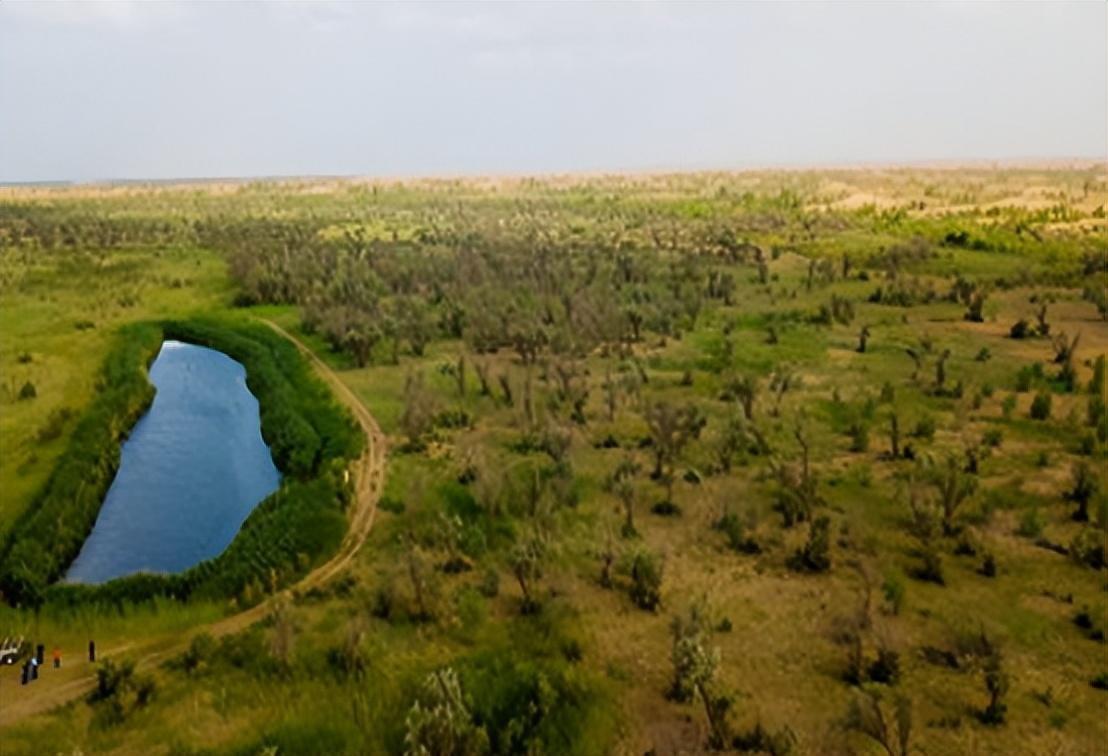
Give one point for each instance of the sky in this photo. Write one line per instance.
(94, 91)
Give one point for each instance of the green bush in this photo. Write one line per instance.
(646, 580)
(925, 428)
(1040, 406)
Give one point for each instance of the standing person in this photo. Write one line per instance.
(57, 658)
(34, 668)
(92, 651)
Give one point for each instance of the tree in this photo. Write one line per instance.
(481, 368)
(863, 339)
(671, 429)
(1097, 381)
(27, 391)
(623, 484)
(526, 559)
(888, 723)
(1040, 315)
(953, 486)
(417, 574)
(416, 324)
(782, 380)
(282, 634)
(360, 340)
(815, 555)
(917, 362)
(797, 491)
(940, 370)
(733, 438)
(1085, 488)
(607, 557)
(440, 723)
(1064, 348)
(894, 434)
(694, 670)
(419, 410)
(996, 683)
(743, 388)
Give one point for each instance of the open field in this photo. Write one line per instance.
(747, 462)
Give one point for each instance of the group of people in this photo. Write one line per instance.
(38, 658)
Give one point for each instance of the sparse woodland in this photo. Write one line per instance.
(806, 462)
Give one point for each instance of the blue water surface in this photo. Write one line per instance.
(193, 468)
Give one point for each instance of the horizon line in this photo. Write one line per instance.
(1029, 162)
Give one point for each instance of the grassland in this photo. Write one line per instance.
(501, 550)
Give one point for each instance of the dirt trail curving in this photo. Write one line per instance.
(56, 688)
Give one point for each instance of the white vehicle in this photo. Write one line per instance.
(11, 649)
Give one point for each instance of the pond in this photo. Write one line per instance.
(191, 471)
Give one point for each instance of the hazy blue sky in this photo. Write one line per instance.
(162, 90)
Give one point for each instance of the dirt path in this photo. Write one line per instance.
(56, 688)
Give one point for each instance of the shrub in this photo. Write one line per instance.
(859, 437)
(885, 668)
(1031, 523)
(925, 428)
(1096, 385)
(996, 684)
(490, 583)
(27, 391)
(391, 504)
(54, 425)
(119, 691)
(894, 590)
(888, 393)
(1021, 329)
(1028, 376)
(646, 580)
(198, 654)
(734, 530)
(1087, 548)
(666, 508)
(1085, 488)
(440, 721)
(931, 567)
(993, 437)
(988, 565)
(1040, 406)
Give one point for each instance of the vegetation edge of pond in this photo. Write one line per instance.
(309, 434)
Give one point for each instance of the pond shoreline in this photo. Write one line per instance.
(191, 470)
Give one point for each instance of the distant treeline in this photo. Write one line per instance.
(310, 436)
